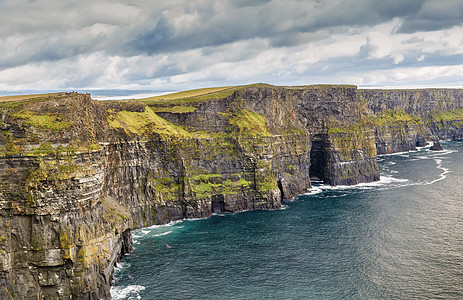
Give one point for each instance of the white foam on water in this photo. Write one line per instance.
(442, 175)
(193, 219)
(164, 233)
(385, 181)
(172, 223)
(127, 292)
(218, 215)
(412, 159)
(443, 152)
(397, 153)
(315, 190)
(283, 207)
(121, 265)
(336, 196)
(117, 268)
(140, 233)
(421, 157)
(428, 145)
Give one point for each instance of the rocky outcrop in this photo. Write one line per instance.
(78, 175)
(408, 117)
(436, 146)
(59, 235)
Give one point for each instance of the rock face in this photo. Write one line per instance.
(436, 146)
(78, 175)
(405, 118)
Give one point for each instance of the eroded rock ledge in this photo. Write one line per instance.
(78, 175)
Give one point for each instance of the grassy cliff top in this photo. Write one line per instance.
(25, 97)
(323, 86)
(18, 101)
(197, 95)
(190, 96)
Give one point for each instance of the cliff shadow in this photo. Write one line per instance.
(319, 158)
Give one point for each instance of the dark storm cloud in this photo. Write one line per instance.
(434, 15)
(180, 25)
(201, 36)
(278, 21)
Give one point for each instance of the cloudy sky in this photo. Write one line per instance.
(184, 44)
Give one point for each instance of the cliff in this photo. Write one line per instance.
(78, 175)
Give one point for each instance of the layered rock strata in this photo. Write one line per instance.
(78, 175)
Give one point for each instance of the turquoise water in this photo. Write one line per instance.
(400, 238)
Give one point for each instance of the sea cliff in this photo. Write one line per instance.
(77, 175)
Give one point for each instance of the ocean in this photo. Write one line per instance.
(99, 94)
(399, 238)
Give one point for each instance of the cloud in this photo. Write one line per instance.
(434, 15)
(185, 44)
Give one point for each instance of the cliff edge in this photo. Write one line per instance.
(77, 175)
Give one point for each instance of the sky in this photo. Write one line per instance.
(186, 44)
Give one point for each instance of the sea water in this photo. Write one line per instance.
(399, 238)
(96, 94)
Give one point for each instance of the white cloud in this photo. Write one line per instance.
(186, 44)
(398, 58)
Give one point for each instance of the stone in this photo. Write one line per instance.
(73, 188)
(436, 146)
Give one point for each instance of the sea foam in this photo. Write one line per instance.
(127, 292)
(164, 233)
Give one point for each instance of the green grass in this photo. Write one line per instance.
(44, 150)
(249, 123)
(198, 95)
(193, 99)
(206, 177)
(270, 185)
(339, 130)
(148, 122)
(178, 109)
(450, 115)
(188, 94)
(227, 187)
(25, 97)
(45, 121)
(394, 116)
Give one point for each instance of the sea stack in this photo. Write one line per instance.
(436, 146)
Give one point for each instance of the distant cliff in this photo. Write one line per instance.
(77, 175)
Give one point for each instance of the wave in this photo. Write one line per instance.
(386, 181)
(219, 214)
(442, 175)
(127, 292)
(443, 152)
(171, 223)
(118, 268)
(315, 189)
(164, 233)
(428, 145)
